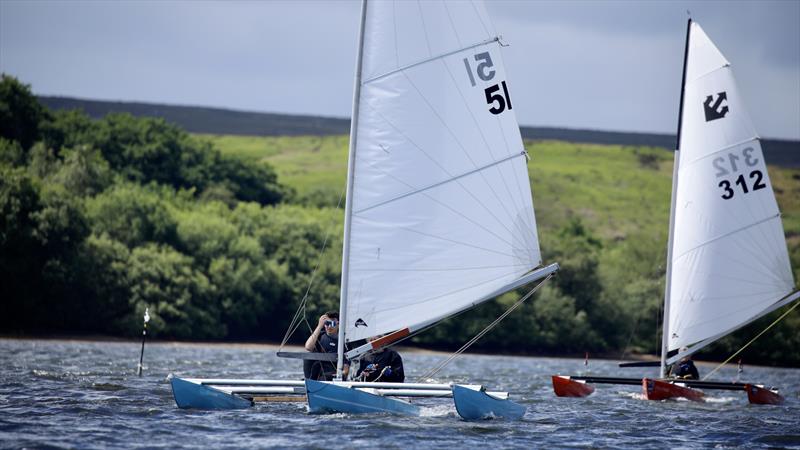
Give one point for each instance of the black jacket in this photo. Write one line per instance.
(682, 369)
(323, 370)
(373, 365)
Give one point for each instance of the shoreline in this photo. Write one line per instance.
(298, 347)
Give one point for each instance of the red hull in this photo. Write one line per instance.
(761, 396)
(566, 387)
(662, 390)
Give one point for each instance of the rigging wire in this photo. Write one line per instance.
(488, 328)
(301, 309)
(752, 340)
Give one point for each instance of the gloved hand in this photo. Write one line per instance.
(387, 371)
(370, 368)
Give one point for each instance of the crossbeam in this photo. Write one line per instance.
(688, 383)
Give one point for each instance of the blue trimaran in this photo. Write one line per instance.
(439, 216)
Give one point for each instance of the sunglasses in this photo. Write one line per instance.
(331, 323)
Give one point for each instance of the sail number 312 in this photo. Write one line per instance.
(498, 101)
(731, 166)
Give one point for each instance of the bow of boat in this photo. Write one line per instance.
(565, 386)
(474, 403)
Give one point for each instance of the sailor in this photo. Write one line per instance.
(327, 342)
(685, 368)
(384, 365)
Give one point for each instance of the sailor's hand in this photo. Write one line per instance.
(387, 371)
(322, 320)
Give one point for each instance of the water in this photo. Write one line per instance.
(67, 394)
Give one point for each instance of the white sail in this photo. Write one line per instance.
(729, 258)
(442, 214)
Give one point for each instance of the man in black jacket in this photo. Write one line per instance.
(382, 365)
(685, 368)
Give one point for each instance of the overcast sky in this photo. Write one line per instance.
(579, 64)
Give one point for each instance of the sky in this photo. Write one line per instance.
(605, 65)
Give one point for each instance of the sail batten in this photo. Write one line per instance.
(727, 147)
(729, 261)
(440, 180)
(432, 58)
(730, 233)
(449, 180)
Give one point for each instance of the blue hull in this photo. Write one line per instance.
(193, 395)
(476, 405)
(330, 398)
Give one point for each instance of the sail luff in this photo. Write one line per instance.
(675, 170)
(349, 196)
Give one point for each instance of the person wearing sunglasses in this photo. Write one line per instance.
(326, 341)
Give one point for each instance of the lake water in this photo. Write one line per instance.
(68, 394)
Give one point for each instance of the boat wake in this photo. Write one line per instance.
(722, 400)
(633, 395)
(441, 410)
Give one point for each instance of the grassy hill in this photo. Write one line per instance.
(615, 190)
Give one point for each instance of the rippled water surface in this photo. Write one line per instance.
(86, 395)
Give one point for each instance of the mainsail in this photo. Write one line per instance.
(729, 261)
(440, 215)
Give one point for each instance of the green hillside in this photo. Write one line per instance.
(616, 191)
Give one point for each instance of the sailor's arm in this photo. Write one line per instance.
(311, 342)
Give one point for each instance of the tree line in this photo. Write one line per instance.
(100, 219)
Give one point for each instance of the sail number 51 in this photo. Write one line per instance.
(499, 101)
(731, 166)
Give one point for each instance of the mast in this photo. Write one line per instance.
(676, 163)
(348, 208)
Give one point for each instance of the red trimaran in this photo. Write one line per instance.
(727, 262)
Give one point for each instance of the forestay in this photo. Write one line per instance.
(442, 214)
(729, 259)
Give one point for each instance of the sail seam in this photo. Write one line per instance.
(453, 269)
(445, 205)
(727, 147)
(461, 289)
(427, 60)
(727, 64)
(442, 238)
(776, 216)
(440, 183)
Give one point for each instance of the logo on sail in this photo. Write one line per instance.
(360, 323)
(714, 112)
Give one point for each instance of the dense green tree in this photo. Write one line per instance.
(83, 171)
(20, 112)
(11, 153)
(181, 299)
(20, 256)
(69, 129)
(102, 287)
(133, 215)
